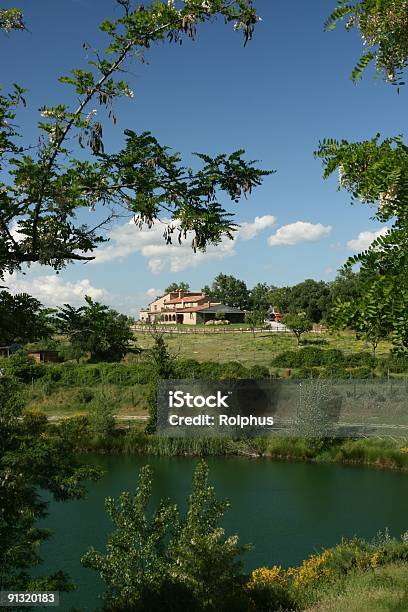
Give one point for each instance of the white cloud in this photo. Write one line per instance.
(298, 232)
(247, 231)
(127, 239)
(364, 239)
(152, 293)
(51, 290)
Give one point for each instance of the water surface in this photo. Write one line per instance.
(286, 510)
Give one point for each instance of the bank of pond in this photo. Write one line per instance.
(289, 512)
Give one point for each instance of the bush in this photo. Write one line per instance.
(361, 359)
(84, 396)
(314, 362)
(310, 356)
(258, 372)
(69, 374)
(397, 364)
(75, 431)
(187, 368)
(268, 589)
(21, 367)
(34, 420)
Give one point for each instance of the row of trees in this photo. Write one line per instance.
(93, 329)
(314, 298)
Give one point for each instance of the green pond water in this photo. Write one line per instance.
(286, 510)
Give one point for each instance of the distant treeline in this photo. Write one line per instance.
(315, 298)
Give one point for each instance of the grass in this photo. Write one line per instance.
(382, 589)
(252, 351)
(62, 402)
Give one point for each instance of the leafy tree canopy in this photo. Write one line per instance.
(229, 291)
(309, 296)
(162, 561)
(48, 184)
(23, 319)
(375, 173)
(298, 323)
(33, 456)
(11, 19)
(369, 315)
(383, 25)
(96, 329)
(177, 287)
(260, 297)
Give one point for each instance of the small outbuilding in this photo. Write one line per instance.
(44, 356)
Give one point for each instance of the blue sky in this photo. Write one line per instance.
(276, 98)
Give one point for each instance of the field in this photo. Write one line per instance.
(249, 350)
(130, 402)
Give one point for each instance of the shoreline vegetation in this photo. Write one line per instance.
(373, 453)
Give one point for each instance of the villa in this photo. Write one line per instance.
(188, 308)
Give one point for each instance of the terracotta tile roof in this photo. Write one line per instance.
(191, 298)
(198, 308)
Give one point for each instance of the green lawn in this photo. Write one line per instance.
(380, 590)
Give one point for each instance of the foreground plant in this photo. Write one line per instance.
(33, 456)
(383, 26)
(163, 561)
(48, 184)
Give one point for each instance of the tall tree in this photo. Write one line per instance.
(346, 286)
(162, 561)
(96, 329)
(177, 287)
(23, 319)
(33, 457)
(309, 296)
(229, 290)
(260, 297)
(375, 172)
(46, 185)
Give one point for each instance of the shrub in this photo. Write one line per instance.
(75, 431)
(34, 420)
(361, 359)
(101, 420)
(232, 369)
(84, 396)
(313, 570)
(187, 368)
(268, 589)
(310, 356)
(21, 367)
(397, 364)
(259, 372)
(287, 359)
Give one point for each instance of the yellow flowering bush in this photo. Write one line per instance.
(404, 450)
(268, 589)
(376, 559)
(312, 571)
(267, 576)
